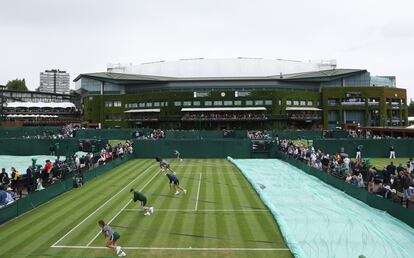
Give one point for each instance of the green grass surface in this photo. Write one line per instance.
(380, 163)
(116, 142)
(219, 211)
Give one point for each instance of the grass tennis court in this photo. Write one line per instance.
(220, 216)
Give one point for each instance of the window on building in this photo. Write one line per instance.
(177, 103)
(218, 103)
(117, 103)
(288, 102)
(333, 102)
(187, 103)
(258, 102)
(196, 103)
(208, 103)
(310, 103)
(156, 104)
(303, 103)
(148, 104)
(268, 102)
(166, 103)
(108, 103)
(116, 117)
(141, 105)
(108, 117)
(249, 102)
(296, 102)
(237, 102)
(228, 103)
(280, 102)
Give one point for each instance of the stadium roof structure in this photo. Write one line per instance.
(316, 76)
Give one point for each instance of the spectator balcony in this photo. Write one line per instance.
(304, 113)
(225, 114)
(142, 115)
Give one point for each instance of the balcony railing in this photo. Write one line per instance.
(359, 103)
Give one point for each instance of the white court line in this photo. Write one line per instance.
(174, 248)
(191, 210)
(198, 193)
(100, 207)
(119, 212)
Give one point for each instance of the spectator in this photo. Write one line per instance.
(5, 181)
(400, 168)
(410, 165)
(358, 152)
(361, 183)
(47, 170)
(391, 168)
(3, 197)
(52, 150)
(30, 179)
(392, 152)
(386, 176)
(39, 184)
(15, 177)
(405, 182)
(12, 195)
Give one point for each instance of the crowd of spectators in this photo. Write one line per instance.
(386, 182)
(258, 135)
(223, 116)
(156, 134)
(305, 116)
(366, 135)
(39, 176)
(112, 152)
(67, 131)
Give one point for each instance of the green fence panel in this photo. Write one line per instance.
(19, 132)
(298, 134)
(218, 148)
(110, 134)
(22, 147)
(370, 148)
(357, 193)
(335, 182)
(9, 212)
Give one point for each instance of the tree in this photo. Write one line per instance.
(17, 85)
(411, 109)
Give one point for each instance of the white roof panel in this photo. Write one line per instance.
(303, 109)
(154, 110)
(40, 105)
(231, 67)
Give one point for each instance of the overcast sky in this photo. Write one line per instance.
(82, 36)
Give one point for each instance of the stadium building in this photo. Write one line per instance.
(243, 93)
(33, 108)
